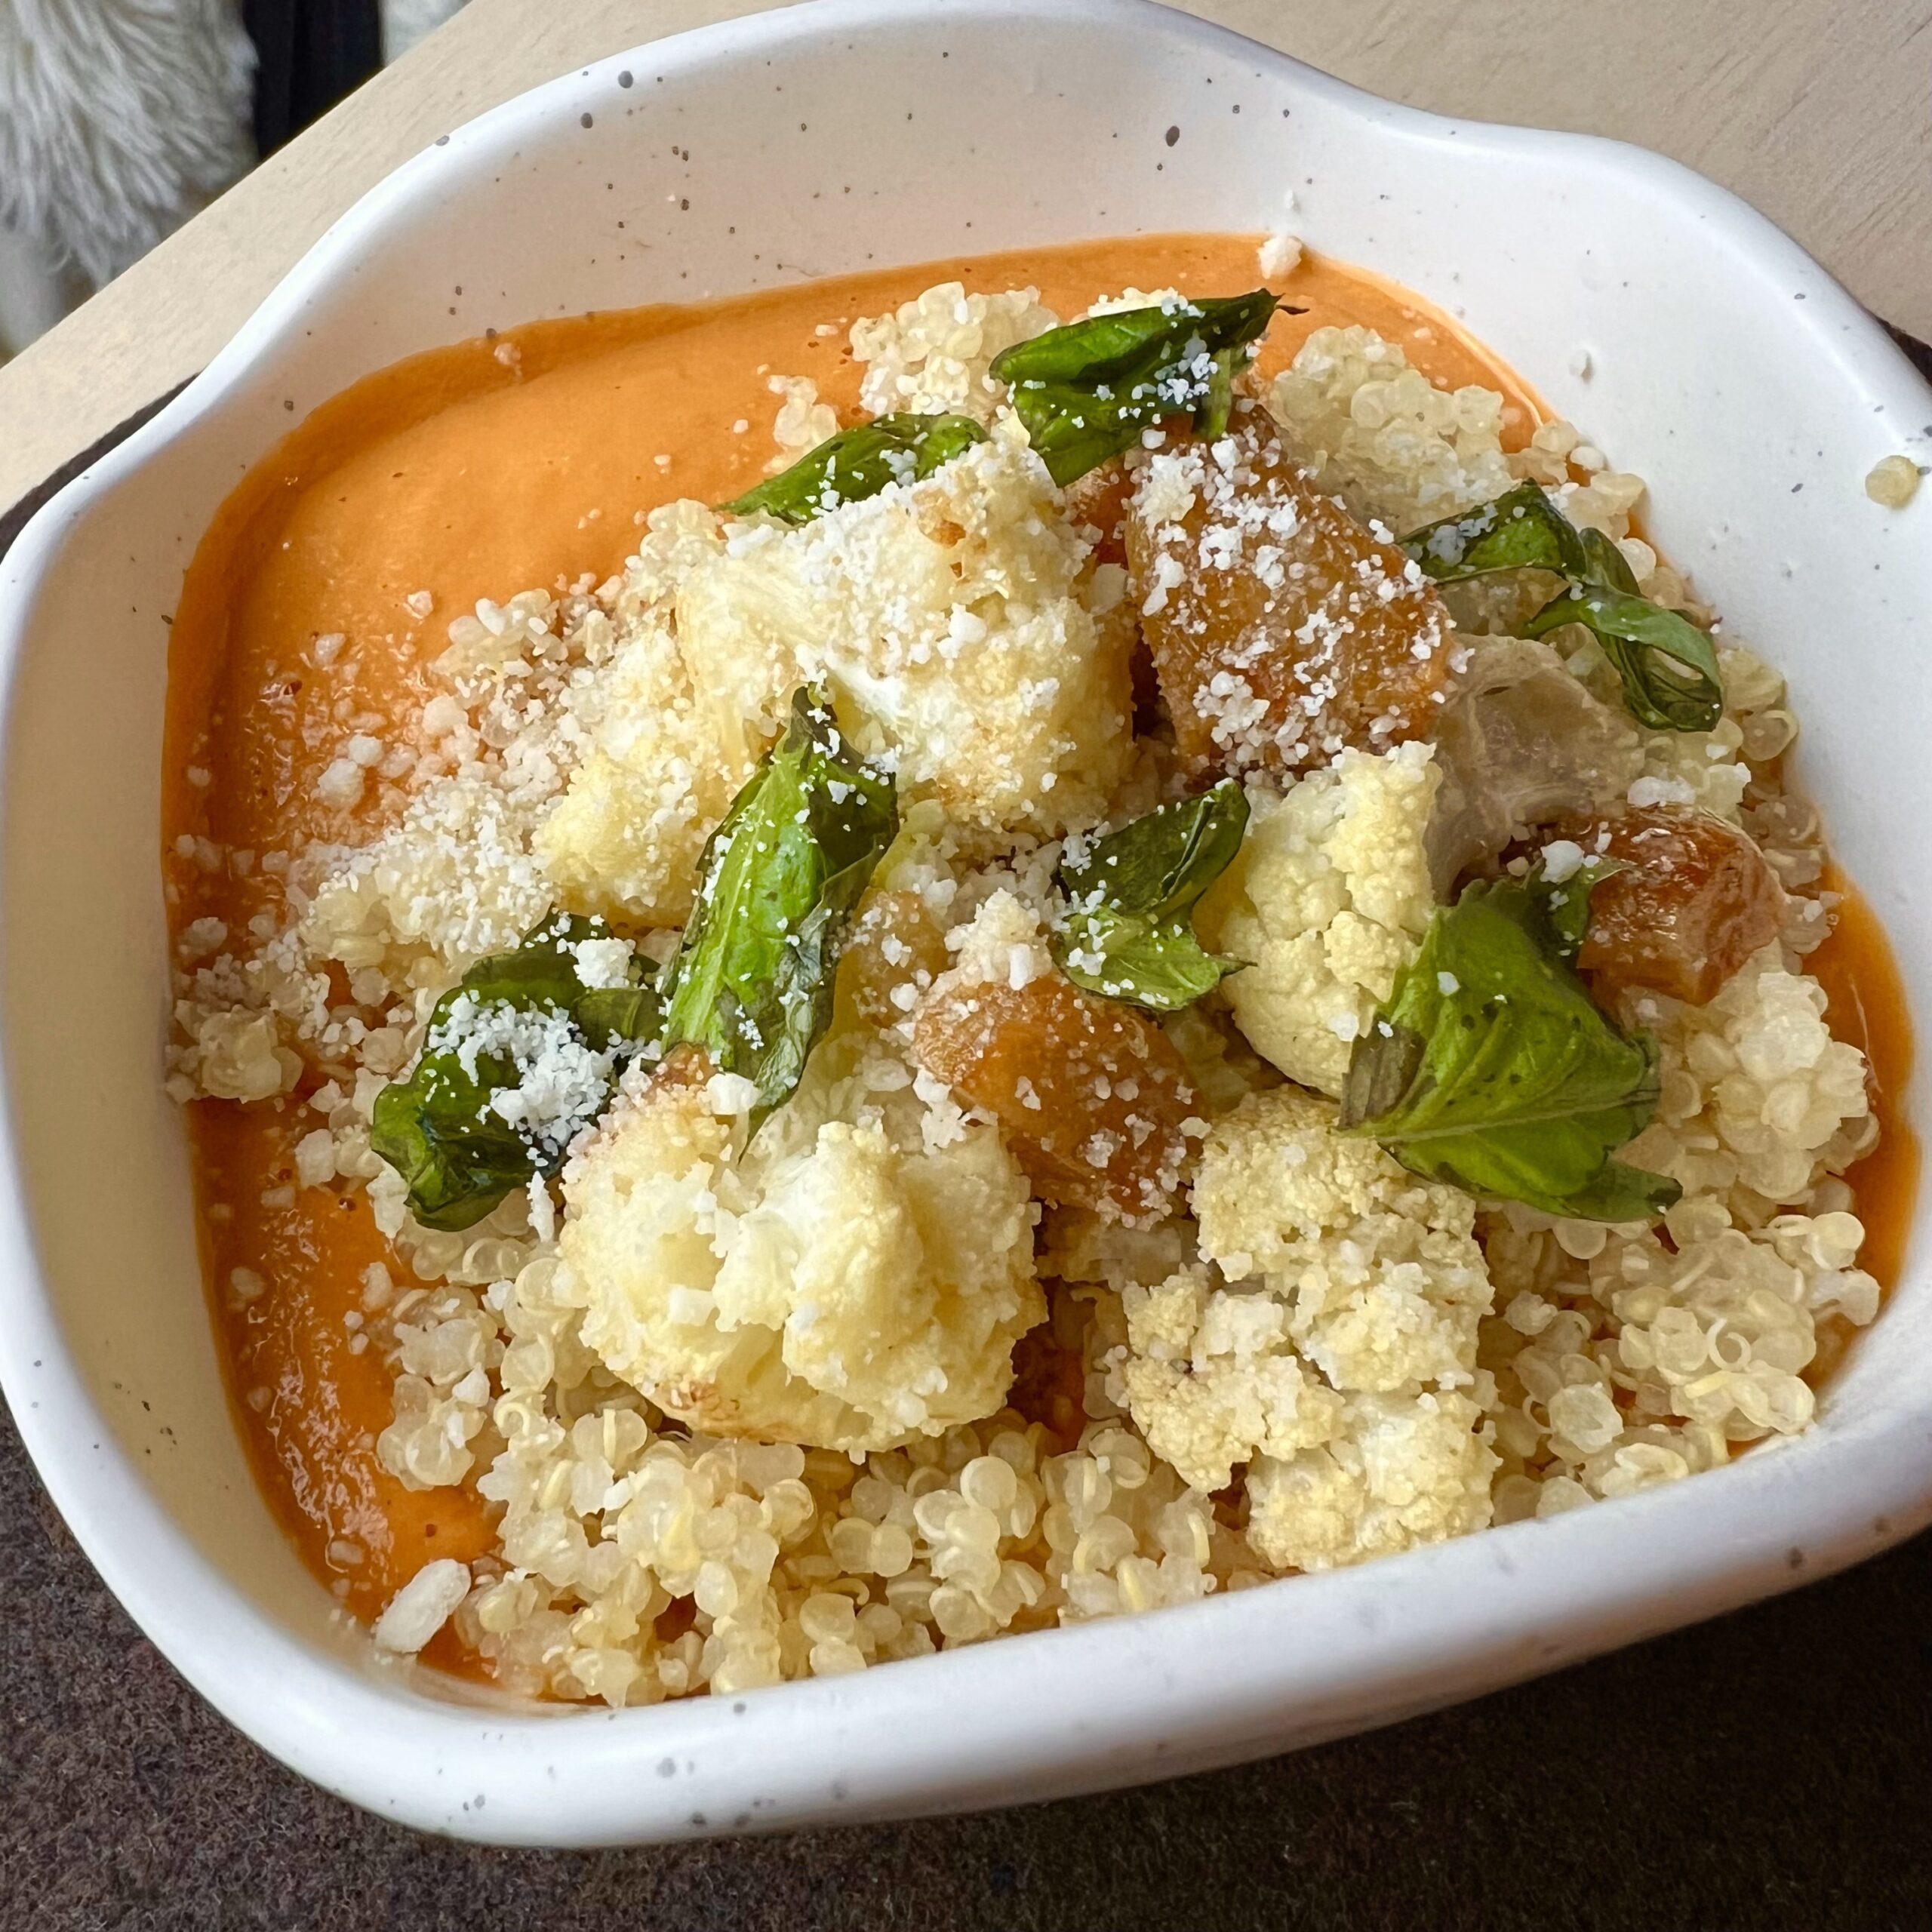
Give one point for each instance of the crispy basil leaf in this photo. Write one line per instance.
(1666, 664)
(1490, 1066)
(1566, 904)
(1520, 529)
(438, 1128)
(860, 463)
(1129, 929)
(1605, 565)
(629, 1016)
(752, 981)
(1086, 391)
(435, 1129)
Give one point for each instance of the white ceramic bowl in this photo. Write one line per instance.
(1724, 365)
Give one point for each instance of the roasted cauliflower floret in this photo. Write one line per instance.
(1404, 1470)
(953, 618)
(1385, 1282)
(1327, 901)
(1211, 1376)
(1332, 1367)
(855, 1277)
(948, 616)
(664, 754)
(625, 840)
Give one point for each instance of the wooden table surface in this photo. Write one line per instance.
(1820, 112)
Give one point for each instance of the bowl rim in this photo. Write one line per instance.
(1106, 1703)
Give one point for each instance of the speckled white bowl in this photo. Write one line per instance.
(1724, 365)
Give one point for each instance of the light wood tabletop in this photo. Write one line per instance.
(1819, 111)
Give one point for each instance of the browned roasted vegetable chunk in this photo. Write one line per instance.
(1091, 1094)
(894, 946)
(1695, 900)
(1097, 505)
(1097, 502)
(1282, 629)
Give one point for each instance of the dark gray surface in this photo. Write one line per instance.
(1768, 1771)
(1771, 1770)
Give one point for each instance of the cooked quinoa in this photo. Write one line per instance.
(742, 1388)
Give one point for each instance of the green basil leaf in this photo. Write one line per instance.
(1086, 391)
(1668, 666)
(1605, 565)
(440, 1129)
(1129, 929)
(540, 972)
(435, 1129)
(860, 463)
(780, 881)
(629, 1016)
(1490, 1068)
(1520, 529)
(1567, 907)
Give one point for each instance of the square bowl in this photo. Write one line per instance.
(1723, 363)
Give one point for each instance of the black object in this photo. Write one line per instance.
(309, 54)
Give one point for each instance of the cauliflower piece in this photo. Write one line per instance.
(1357, 1285)
(948, 617)
(1384, 1280)
(1405, 1470)
(855, 1276)
(625, 840)
(1210, 1376)
(665, 754)
(930, 355)
(1328, 900)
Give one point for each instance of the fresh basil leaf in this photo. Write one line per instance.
(1668, 666)
(860, 463)
(435, 1129)
(629, 1016)
(1086, 391)
(1129, 930)
(1605, 565)
(1490, 1068)
(440, 1129)
(780, 879)
(539, 971)
(1567, 905)
(1520, 529)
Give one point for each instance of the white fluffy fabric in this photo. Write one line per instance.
(405, 22)
(119, 119)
